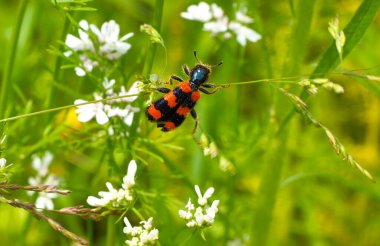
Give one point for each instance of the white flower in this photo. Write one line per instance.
(108, 85)
(113, 198)
(129, 179)
(129, 119)
(218, 26)
(216, 22)
(41, 165)
(111, 46)
(87, 65)
(244, 33)
(104, 111)
(141, 235)
(134, 90)
(89, 111)
(241, 17)
(217, 12)
(83, 42)
(185, 214)
(44, 199)
(189, 205)
(200, 12)
(202, 200)
(204, 214)
(108, 45)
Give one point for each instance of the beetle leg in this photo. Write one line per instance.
(208, 85)
(176, 78)
(194, 115)
(186, 70)
(162, 89)
(206, 91)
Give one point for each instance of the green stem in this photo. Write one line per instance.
(57, 69)
(7, 76)
(64, 107)
(90, 229)
(110, 241)
(25, 229)
(147, 68)
(267, 193)
(275, 159)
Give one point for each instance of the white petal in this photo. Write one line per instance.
(43, 202)
(129, 179)
(110, 31)
(209, 192)
(153, 235)
(126, 36)
(217, 11)
(86, 116)
(79, 101)
(240, 16)
(95, 202)
(80, 72)
(129, 119)
(101, 117)
(109, 186)
(216, 27)
(36, 162)
(73, 42)
(3, 161)
(48, 157)
(96, 31)
(83, 24)
(198, 191)
(127, 223)
(182, 214)
(200, 12)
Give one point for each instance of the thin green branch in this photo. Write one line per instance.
(64, 107)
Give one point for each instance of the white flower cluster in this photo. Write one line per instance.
(117, 199)
(103, 111)
(141, 235)
(311, 85)
(216, 22)
(108, 44)
(41, 166)
(203, 215)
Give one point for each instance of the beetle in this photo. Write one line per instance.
(171, 110)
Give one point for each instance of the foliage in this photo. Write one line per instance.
(77, 76)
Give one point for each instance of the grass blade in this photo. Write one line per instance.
(354, 31)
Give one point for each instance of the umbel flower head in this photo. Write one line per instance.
(141, 235)
(93, 41)
(216, 22)
(41, 166)
(103, 111)
(204, 214)
(117, 199)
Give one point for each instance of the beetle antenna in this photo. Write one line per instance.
(196, 57)
(199, 61)
(217, 65)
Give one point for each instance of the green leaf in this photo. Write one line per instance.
(299, 37)
(354, 31)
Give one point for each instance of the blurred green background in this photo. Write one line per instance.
(287, 189)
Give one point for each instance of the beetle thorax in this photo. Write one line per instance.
(199, 75)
